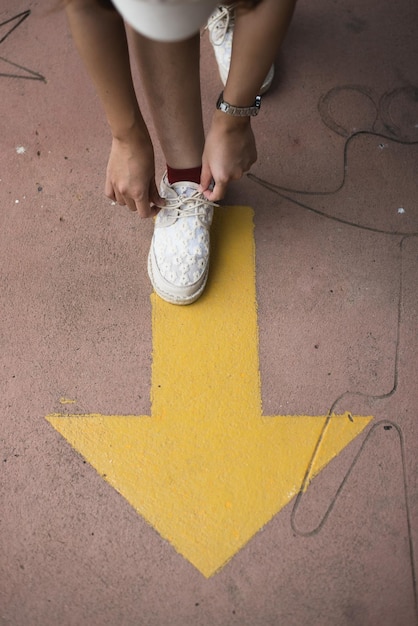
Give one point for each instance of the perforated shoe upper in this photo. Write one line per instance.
(179, 255)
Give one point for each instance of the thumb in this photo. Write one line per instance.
(218, 192)
(154, 196)
(206, 177)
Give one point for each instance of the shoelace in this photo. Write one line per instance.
(219, 24)
(177, 207)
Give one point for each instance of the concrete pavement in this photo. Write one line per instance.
(334, 194)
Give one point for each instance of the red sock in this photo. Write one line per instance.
(192, 175)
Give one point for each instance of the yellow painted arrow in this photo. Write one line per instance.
(206, 469)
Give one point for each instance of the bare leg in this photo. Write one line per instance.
(130, 177)
(171, 79)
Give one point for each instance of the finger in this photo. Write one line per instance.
(108, 188)
(119, 198)
(110, 191)
(150, 206)
(130, 203)
(155, 197)
(217, 193)
(206, 179)
(154, 210)
(145, 209)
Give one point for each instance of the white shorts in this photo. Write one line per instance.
(166, 20)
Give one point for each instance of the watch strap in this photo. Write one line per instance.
(230, 109)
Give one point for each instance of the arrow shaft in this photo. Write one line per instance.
(205, 356)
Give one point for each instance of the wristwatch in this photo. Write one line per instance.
(238, 111)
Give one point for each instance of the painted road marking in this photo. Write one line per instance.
(206, 469)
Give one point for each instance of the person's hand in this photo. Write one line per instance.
(230, 151)
(130, 176)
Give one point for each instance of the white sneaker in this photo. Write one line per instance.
(221, 28)
(178, 260)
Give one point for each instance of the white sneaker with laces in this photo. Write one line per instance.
(178, 260)
(221, 29)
